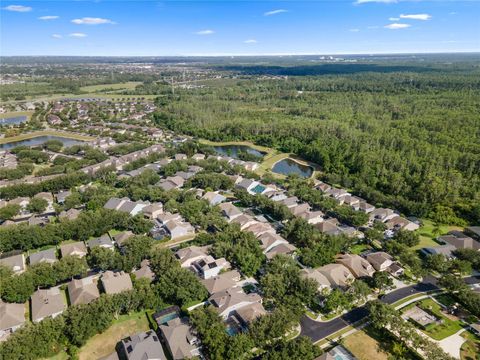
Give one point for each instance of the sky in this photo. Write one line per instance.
(176, 28)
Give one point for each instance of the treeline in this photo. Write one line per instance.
(88, 224)
(404, 140)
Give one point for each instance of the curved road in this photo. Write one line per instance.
(317, 330)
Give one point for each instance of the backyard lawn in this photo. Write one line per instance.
(103, 344)
(427, 233)
(439, 331)
(365, 347)
(471, 348)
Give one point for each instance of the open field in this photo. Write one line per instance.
(103, 344)
(10, 114)
(45, 133)
(107, 87)
(364, 346)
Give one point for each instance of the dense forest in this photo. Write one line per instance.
(407, 138)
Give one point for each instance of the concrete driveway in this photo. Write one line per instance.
(452, 344)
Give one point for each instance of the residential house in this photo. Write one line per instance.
(62, 196)
(221, 282)
(179, 229)
(328, 227)
(399, 222)
(116, 282)
(269, 240)
(259, 228)
(382, 215)
(74, 249)
(445, 250)
(227, 301)
(185, 175)
(247, 314)
(338, 275)
(70, 214)
(120, 238)
(179, 339)
(16, 263)
(282, 249)
(83, 291)
(299, 209)
(47, 303)
(214, 198)
(103, 241)
(459, 240)
(198, 157)
(366, 207)
(312, 217)
(12, 316)
(142, 346)
(171, 182)
(125, 205)
(357, 265)
(338, 194)
(276, 195)
(380, 260)
(247, 185)
(352, 201)
(290, 202)
(230, 211)
(153, 210)
(181, 157)
(244, 221)
(167, 216)
(48, 256)
(144, 272)
(187, 256)
(208, 267)
(321, 279)
(473, 231)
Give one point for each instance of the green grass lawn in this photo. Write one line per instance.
(427, 234)
(103, 344)
(470, 349)
(359, 248)
(107, 87)
(439, 331)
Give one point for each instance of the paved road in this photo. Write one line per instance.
(316, 330)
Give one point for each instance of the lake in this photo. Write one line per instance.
(233, 150)
(15, 120)
(39, 140)
(289, 166)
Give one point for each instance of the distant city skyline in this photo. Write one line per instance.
(224, 28)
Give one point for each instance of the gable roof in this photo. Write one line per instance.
(47, 302)
(11, 315)
(221, 282)
(179, 338)
(143, 346)
(48, 256)
(83, 291)
(77, 248)
(116, 282)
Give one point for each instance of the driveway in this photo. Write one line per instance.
(452, 344)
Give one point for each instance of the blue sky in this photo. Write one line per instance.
(153, 28)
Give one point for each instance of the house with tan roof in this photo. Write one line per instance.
(244, 221)
(258, 229)
(178, 229)
(74, 249)
(12, 317)
(382, 214)
(459, 240)
(83, 291)
(116, 282)
(299, 209)
(312, 217)
(249, 313)
(357, 265)
(179, 339)
(321, 279)
(214, 198)
(190, 254)
(338, 275)
(152, 211)
(230, 300)
(103, 241)
(221, 281)
(282, 249)
(380, 260)
(144, 272)
(269, 240)
(70, 214)
(120, 238)
(47, 303)
(171, 182)
(230, 211)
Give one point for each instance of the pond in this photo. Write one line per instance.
(14, 120)
(234, 150)
(289, 166)
(39, 140)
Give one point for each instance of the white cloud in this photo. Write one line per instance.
(57, 36)
(205, 32)
(48, 17)
(18, 8)
(393, 19)
(92, 21)
(396, 26)
(354, 30)
(375, 1)
(250, 41)
(416, 16)
(275, 12)
(77, 35)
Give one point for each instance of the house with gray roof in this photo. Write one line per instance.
(144, 272)
(214, 198)
(16, 263)
(223, 281)
(179, 339)
(70, 214)
(103, 241)
(120, 238)
(47, 303)
(143, 346)
(229, 210)
(48, 256)
(12, 316)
